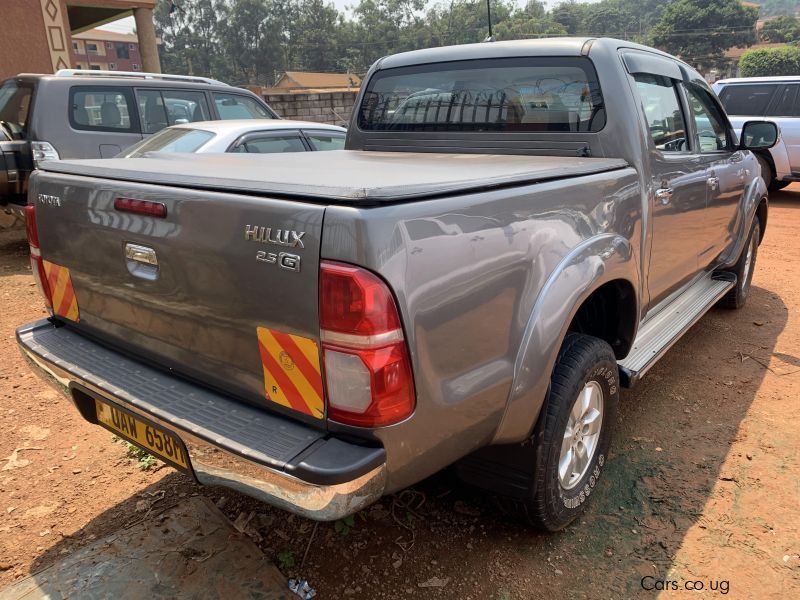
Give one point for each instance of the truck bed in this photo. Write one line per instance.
(341, 176)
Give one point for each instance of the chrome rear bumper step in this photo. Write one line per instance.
(659, 333)
(272, 458)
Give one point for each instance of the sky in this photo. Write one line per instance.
(127, 24)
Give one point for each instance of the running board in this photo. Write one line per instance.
(658, 334)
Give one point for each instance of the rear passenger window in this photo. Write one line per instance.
(234, 106)
(323, 140)
(101, 109)
(161, 108)
(747, 100)
(271, 144)
(663, 112)
(786, 103)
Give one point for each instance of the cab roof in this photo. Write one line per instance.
(555, 46)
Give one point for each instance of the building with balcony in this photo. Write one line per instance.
(106, 51)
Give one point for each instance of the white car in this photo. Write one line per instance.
(245, 135)
(774, 99)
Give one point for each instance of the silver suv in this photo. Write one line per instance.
(776, 99)
(98, 114)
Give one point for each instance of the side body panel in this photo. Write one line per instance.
(470, 274)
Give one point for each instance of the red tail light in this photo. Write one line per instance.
(37, 265)
(141, 207)
(367, 368)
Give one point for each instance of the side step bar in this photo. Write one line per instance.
(659, 333)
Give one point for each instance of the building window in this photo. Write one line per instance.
(109, 45)
(91, 47)
(95, 67)
(112, 66)
(135, 67)
(122, 50)
(131, 46)
(75, 46)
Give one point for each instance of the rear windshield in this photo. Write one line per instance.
(179, 139)
(747, 100)
(514, 94)
(15, 103)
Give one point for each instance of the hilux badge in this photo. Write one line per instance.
(279, 237)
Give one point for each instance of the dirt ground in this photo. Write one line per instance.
(702, 490)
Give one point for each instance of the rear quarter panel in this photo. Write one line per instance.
(467, 272)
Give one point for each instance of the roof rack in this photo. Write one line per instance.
(135, 74)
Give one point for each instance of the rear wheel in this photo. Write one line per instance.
(572, 438)
(744, 267)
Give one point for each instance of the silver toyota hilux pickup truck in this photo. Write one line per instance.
(515, 231)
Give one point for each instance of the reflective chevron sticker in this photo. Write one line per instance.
(65, 304)
(292, 375)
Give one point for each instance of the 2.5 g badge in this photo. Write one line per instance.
(290, 262)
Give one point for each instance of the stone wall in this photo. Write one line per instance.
(321, 107)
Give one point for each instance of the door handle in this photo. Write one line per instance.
(141, 254)
(712, 182)
(664, 194)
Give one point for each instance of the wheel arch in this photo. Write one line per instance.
(602, 268)
(762, 212)
(609, 313)
(767, 156)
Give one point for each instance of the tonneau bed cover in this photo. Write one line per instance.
(350, 176)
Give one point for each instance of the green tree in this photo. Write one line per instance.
(527, 22)
(571, 15)
(314, 36)
(766, 62)
(780, 29)
(699, 31)
(606, 19)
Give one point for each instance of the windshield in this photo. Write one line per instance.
(514, 94)
(15, 102)
(178, 139)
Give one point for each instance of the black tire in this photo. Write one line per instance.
(766, 171)
(777, 186)
(737, 296)
(583, 361)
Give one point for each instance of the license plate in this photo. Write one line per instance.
(162, 444)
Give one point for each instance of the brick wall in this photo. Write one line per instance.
(321, 107)
(23, 39)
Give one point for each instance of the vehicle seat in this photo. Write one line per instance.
(197, 113)
(110, 115)
(154, 115)
(81, 115)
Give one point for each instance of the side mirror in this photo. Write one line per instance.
(759, 135)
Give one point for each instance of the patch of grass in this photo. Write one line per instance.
(285, 559)
(343, 526)
(144, 459)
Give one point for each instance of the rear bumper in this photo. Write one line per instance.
(230, 444)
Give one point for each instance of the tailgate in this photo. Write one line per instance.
(223, 289)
